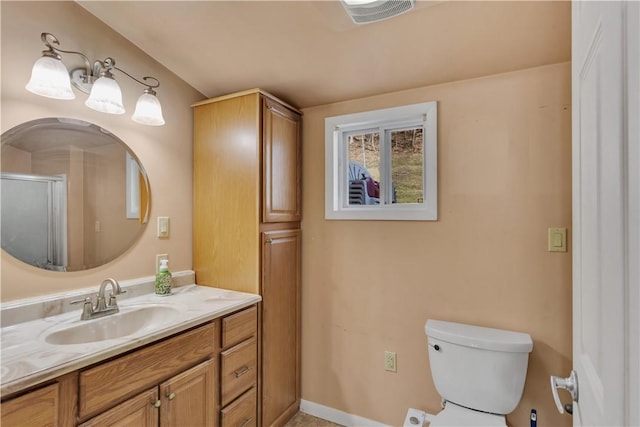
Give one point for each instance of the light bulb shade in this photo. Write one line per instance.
(105, 96)
(148, 110)
(50, 78)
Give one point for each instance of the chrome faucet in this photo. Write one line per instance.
(102, 307)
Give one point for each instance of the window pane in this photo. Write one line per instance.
(364, 168)
(406, 165)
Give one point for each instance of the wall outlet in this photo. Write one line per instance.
(390, 361)
(159, 258)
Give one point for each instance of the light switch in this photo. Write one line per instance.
(163, 226)
(557, 239)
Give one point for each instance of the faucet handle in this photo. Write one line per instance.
(112, 301)
(87, 308)
(78, 301)
(117, 290)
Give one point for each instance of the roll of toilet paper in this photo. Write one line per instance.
(414, 418)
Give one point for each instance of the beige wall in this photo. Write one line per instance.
(165, 152)
(504, 171)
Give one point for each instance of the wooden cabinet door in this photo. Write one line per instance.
(189, 398)
(281, 163)
(37, 408)
(139, 411)
(280, 326)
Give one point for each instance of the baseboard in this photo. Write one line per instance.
(337, 416)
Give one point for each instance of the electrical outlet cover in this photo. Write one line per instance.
(390, 361)
(159, 258)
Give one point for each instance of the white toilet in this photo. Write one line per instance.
(479, 372)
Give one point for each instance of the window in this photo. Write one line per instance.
(382, 164)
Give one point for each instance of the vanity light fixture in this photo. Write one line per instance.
(50, 78)
(368, 11)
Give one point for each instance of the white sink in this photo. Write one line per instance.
(129, 321)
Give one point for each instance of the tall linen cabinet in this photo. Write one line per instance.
(247, 227)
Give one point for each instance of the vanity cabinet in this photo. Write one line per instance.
(137, 411)
(52, 404)
(247, 211)
(36, 408)
(204, 376)
(171, 383)
(186, 399)
(238, 369)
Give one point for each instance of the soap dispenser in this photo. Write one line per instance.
(163, 279)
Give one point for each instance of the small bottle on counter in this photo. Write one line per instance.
(163, 279)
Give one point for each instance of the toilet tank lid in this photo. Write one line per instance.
(479, 337)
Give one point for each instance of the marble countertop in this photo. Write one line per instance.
(28, 359)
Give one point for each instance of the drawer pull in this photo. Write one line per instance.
(156, 404)
(241, 372)
(171, 396)
(246, 423)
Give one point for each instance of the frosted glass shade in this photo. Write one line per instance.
(50, 78)
(148, 111)
(105, 96)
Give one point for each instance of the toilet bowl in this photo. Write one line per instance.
(479, 372)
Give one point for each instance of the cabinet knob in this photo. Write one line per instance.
(171, 396)
(156, 404)
(269, 240)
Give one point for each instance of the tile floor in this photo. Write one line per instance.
(305, 420)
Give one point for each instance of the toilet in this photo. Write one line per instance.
(479, 372)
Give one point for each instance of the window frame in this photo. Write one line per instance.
(385, 120)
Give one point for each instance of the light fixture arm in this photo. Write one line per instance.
(150, 87)
(48, 39)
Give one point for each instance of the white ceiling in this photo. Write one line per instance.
(310, 53)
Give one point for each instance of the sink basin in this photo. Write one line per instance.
(129, 321)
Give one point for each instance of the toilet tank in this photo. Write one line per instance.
(476, 367)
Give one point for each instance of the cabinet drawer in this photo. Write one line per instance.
(238, 370)
(239, 326)
(109, 383)
(242, 412)
(37, 408)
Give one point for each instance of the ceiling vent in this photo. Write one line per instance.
(367, 11)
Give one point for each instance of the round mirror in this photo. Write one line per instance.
(74, 196)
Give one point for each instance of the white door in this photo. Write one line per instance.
(605, 213)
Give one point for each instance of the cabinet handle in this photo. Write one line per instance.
(242, 371)
(156, 404)
(269, 240)
(246, 423)
(171, 396)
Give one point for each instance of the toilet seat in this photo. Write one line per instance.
(455, 415)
